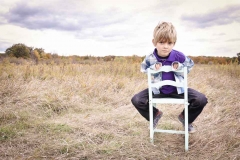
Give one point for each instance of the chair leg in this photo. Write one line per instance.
(186, 138)
(186, 127)
(151, 122)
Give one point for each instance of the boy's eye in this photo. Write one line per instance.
(169, 43)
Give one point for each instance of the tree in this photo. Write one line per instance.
(41, 52)
(48, 56)
(35, 56)
(18, 50)
(238, 55)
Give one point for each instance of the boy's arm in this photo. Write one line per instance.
(187, 63)
(144, 66)
(149, 62)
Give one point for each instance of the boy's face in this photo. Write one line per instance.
(164, 48)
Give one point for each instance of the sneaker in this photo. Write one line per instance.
(191, 129)
(157, 118)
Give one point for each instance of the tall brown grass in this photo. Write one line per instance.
(83, 111)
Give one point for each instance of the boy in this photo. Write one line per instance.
(164, 39)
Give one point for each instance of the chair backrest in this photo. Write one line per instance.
(159, 84)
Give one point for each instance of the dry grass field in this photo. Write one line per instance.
(84, 111)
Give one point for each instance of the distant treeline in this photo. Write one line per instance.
(20, 54)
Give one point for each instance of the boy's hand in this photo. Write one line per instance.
(175, 65)
(158, 66)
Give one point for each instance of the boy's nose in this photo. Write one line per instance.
(165, 45)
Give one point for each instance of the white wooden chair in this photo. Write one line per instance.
(154, 101)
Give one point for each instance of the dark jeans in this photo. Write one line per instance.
(196, 100)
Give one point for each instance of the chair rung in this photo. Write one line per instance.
(168, 100)
(169, 131)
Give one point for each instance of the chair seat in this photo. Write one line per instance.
(168, 100)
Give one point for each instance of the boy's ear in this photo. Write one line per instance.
(153, 43)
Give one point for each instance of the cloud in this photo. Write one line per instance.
(41, 17)
(201, 40)
(233, 40)
(223, 16)
(219, 34)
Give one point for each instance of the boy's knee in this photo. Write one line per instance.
(202, 100)
(135, 100)
(205, 100)
(138, 100)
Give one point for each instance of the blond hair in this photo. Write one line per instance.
(164, 32)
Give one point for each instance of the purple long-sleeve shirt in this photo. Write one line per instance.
(173, 57)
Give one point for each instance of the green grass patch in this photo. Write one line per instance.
(53, 128)
(6, 133)
(167, 126)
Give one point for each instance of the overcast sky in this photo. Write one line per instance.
(120, 27)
